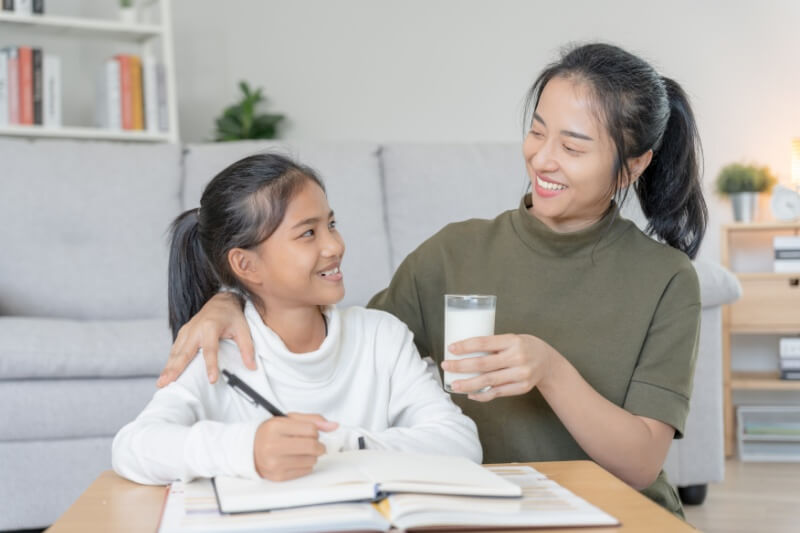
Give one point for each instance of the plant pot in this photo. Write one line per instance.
(128, 15)
(745, 205)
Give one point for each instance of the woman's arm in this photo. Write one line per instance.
(629, 446)
(220, 318)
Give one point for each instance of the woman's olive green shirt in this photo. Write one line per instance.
(621, 307)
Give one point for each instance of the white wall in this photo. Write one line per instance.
(455, 70)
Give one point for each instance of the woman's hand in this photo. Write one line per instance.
(220, 318)
(514, 365)
(287, 447)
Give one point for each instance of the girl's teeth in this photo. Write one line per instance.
(549, 186)
(331, 272)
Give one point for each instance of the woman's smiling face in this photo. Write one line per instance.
(570, 158)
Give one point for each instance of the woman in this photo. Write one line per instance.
(597, 322)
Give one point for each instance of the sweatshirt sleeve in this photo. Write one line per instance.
(422, 417)
(177, 438)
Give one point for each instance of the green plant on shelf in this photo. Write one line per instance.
(737, 177)
(240, 121)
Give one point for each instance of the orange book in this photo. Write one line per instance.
(25, 65)
(125, 92)
(137, 104)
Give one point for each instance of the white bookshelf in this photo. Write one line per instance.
(144, 35)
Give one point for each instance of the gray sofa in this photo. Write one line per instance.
(83, 329)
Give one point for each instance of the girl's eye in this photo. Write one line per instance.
(537, 134)
(309, 233)
(332, 224)
(571, 150)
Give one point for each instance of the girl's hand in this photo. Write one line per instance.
(287, 447)
(515, 364)
(220, 318)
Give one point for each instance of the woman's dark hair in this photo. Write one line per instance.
(641, 110)
(240, 208)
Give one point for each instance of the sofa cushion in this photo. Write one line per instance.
(718, 286)
(70, 408)
(351, 174)
(51, 348)
(83, 227)
(430, 185)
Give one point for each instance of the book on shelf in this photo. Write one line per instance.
(36, 86)
(25, 77)
(13, 85)
(51, 92)
(787, 253)
(790, 363)
(3, 87)
(543, 503)
(790, 375)
(8, 5)
(131, 94)
(38, 7)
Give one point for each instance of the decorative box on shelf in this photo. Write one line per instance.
(769, 433)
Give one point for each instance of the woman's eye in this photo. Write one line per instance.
(571, 150)
(309, 233)
(537, 134)
(332, 224)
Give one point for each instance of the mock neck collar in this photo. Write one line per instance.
(300, 368)
(542, 239)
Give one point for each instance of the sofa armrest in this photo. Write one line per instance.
(718, 286)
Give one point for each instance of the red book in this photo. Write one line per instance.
(25, 64)
(126, 92)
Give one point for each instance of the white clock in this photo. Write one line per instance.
(785, 203)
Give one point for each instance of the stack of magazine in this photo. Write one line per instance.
(376, 491)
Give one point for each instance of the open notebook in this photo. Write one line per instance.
(363, 475)
(192, 507)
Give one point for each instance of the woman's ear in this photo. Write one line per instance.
(244, 265)
(637, 166)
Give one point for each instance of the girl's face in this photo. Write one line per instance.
(569, 157)
(299, 264)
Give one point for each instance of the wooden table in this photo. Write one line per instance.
(113, 504)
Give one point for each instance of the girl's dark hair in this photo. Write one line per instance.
(240, 208)
(642, 110)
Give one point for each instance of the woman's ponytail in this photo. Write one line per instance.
(192, 281)
(670, 188)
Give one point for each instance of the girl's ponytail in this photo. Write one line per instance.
(670, 190)
(192, 281)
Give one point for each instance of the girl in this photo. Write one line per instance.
(599, 322)
(264, 229)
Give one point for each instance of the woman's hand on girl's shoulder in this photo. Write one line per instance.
(514, 365)
(220, 318)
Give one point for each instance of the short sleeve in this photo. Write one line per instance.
(661, 384)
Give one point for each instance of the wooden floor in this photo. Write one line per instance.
(755, 497)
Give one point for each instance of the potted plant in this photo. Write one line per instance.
(127, 11)
(743, 183)
(240, 120)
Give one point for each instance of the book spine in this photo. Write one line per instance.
(786, 242)
(13, 85)
(163, 111)
(114, 95)
(51, 73)
(790, 364)
(3, 87)
(37, 86)
(38, 7)
(787, 254)
(8, 5)
(789, 347)
(23, 7)
(25, 80)
(125, 92)
(787, 265)
(790, 374)
(136, 93)
(150, 94)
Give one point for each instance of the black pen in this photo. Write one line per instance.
(242, 387)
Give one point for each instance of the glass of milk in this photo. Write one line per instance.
(466, 316)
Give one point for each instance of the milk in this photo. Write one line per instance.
(461, 324)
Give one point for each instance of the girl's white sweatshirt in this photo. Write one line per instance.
(367, 375)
